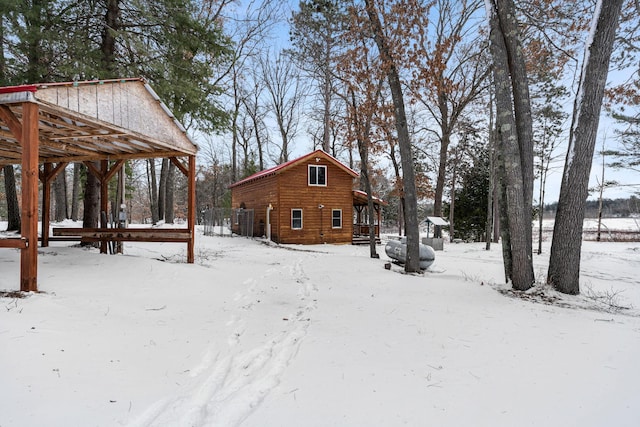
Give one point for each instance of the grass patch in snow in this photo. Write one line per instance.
(609, 301)
(14, 294)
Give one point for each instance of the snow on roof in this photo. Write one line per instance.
(21, 88)
(363, 195)
(436, 220)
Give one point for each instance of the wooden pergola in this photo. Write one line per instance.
(103, 123)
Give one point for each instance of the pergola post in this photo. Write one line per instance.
(191, 210)
(29, 228)
(47, 176)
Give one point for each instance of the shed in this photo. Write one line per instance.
(105, 121)
(436, 221)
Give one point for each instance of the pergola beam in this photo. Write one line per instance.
(184, 169)
(12, 122)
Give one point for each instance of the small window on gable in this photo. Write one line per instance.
(317, 175)
(336, 218)
(296, 219)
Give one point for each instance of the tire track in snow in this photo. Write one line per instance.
(229, 386)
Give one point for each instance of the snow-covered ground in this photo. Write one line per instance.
(260, 335)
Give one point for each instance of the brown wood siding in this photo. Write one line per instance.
(295, 193)
(257, 195)
(288, 189)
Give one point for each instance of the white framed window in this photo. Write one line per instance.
(296, 219)
(318, 175)
(336, 218)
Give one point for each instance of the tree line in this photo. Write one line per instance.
(612, 208)
(451, 102)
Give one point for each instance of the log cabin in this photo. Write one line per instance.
(308, 200)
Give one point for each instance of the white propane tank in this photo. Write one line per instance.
(397, 250)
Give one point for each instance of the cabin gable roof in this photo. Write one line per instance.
(292, 163)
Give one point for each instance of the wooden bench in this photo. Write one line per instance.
(123, 234)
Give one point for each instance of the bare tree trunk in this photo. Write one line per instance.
(452, 206)
(153, 190)
(169, 211)
(75, 191)
(13, 208)
(91, 200)
(524, 124)
(516, 244)
(599, 214)
(402, 231)
(492, 175)
(253, 107)
(521, 98)
(237, 101)
(162, 189)
(120, 215)
(541, 211)
(440, 181)
(363, 130)
(602, 185)
(108, 46)
(564, 262)
(60, 196)
(544, 171)
(396, 169)
(412, 263)
(326, 98)
(234, 148)
(115, 202)
(370, 208)
(260, 147)
(503, 229)
(496, 206)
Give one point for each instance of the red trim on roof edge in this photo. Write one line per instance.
(275, 169)
(21, 88)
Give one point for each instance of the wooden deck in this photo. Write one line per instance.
(363, 240)
(361, 234)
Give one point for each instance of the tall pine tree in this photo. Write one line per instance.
(564, 262)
